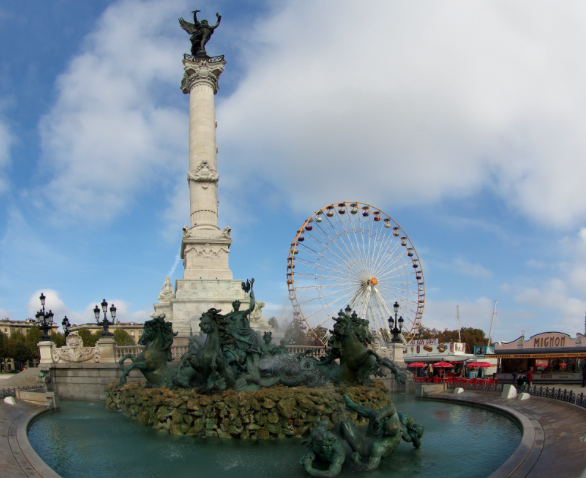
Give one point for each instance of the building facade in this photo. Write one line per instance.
(134, 329)
(555, 357)
(10, 327)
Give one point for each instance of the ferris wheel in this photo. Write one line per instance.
(351, 253)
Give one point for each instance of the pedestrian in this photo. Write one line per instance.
(529, 376)
(514, 377)
(583, 374)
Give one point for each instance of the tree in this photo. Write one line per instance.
(3, 350)
(58, 339)
(33, 337)
(273, 323)
(123, 338)
(17, 348)
(321, 332)
(471, 336)
(89, 339)
(294, 331)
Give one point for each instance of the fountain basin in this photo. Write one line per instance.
(85, 439)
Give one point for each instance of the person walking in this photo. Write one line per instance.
(514, 377)
(583, 374)
(529, 376)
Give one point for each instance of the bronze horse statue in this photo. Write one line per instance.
(157, 338)
(357, 362)
(207, 363)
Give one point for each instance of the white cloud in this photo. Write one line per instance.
(535, 264)
(468, 268)
(422, 104)
(554, 295)
(4, 314)
(6, 141)
(110, 135)
(478, 314)
(53, 303)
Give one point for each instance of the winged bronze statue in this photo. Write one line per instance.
(200, 33)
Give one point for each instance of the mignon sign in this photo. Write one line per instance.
(545, 340)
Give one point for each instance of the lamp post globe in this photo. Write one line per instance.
(44, 319)
(396, 324)
(105, 323)
(66, 327)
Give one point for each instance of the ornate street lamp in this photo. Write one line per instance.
(44, 319)
(396, 331)
(66, 327)
(105, 323)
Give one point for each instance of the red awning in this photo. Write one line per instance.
(416, 364)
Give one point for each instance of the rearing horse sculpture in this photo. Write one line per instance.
(357, 362)
(157, 338)
(208, 361)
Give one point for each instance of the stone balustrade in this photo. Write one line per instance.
(111, 353)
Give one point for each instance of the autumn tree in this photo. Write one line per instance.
(294, 331)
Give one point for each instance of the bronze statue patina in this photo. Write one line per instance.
(357, 362)
(328, 447)
(382, 436)
(243, 351)
(268, 348)
(412, 432)
(200, 33)
(207, 363)
(157, 337)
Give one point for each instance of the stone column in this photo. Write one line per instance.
(46, 352)
(204, 248)
(200, 81)
(107, 346)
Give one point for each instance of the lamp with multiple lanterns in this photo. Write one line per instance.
(396, 325)
(45, 319)
(105, 322)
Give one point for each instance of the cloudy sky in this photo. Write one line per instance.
(462, 120)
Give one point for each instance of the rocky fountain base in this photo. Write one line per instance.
(275, 412)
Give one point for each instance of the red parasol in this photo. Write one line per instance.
(416, 364)
(480, 364)
(442, 365)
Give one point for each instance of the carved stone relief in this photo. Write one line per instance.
(75, 352)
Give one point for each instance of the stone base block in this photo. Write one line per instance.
(523, 396)
(509, 391)
(422, 391)
(275, 412)
(458, 390)
(10, 400)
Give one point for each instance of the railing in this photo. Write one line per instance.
(316, 350)
(553, 393)
(128, 349)
(11, 392)
(178, 350)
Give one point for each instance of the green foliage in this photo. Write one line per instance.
(58, 339)
(293, 331)
(33, 337)
(89, 339)
(3, 348)
(471, 336)
(273, 323)
(123, 338)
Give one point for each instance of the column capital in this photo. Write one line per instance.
(199, 71)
